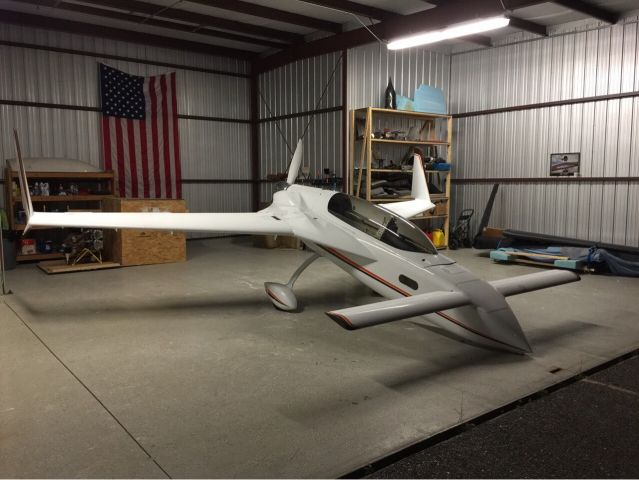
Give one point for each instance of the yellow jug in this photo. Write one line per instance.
(438, 237)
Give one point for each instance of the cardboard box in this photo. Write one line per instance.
(27, 246)
(441, 207)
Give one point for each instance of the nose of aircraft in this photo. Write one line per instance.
(502, 326)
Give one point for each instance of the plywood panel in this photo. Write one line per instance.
(145, 247)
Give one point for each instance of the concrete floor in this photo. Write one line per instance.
(186, 370)
(588, 429)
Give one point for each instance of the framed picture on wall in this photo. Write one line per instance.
(564, 164)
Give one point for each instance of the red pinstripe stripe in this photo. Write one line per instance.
(363, 270)
(274, 297)
(132, 157)
(176, 139)
(106, 143)
(165, 139)
(144, 154)
(406, 294)
(154, 137)
(120, 156)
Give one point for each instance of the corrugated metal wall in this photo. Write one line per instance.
(209, 150)
(292, 89)
(518, 144)
(370, 66)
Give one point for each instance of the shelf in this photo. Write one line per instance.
(67, 198)
(20, 228)
(389, 111)
(427, 217)
(387, 170)
(39, 256)
(66, 175)
(410, 142)
(361, 160)
(407, 142)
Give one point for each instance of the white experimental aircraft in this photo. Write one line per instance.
(376, 244)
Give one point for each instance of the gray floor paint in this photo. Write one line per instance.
(207, 378)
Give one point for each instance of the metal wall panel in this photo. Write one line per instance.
(296, 88)
(209, 149)
(518, 144)
(215, 150)
(322, 146)
(370, 66)
(51, 38)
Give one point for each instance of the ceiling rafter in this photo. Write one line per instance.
(595, 11)
(272, 14)
(515, 22)
(198, 19)
(136, 18)
(454, 11)
(527, 26)
(41, 21)
(355, 8)
(482, 40)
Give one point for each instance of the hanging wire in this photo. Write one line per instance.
(317, 104)
(277, 122)
(330, 79)
(383, 42)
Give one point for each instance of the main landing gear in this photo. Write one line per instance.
(282, 295)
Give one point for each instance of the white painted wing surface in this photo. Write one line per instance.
(244, 223)
(533, 281)
(371, 314)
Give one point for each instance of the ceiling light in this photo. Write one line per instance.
(454, 31)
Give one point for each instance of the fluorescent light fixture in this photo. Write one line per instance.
(454, 31)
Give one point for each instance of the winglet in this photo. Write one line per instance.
(24, 186)
(294, 167)
(419, 192)
(419, 189)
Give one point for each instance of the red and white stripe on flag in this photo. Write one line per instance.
(145, 154)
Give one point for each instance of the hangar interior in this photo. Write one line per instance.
(184, 368)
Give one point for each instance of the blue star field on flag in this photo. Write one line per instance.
(122, 94)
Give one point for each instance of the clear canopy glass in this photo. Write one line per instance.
(380, 223)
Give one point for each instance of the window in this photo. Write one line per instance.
(380, 223)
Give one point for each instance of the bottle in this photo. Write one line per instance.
(390, 97)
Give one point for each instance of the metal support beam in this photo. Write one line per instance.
(345, 122)
(272, 13)
(139, 18)
(355, 8)
(198, 19)
(454, 11)
(528, 26)
(515, 22)
(40, 21)
(255, 142)
(482, 40)
(589, 9)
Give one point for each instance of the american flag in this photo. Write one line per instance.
(140, 133)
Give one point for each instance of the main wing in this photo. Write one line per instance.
(245, 223)
(263, 222)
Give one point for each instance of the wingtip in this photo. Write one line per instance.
(341, 320)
